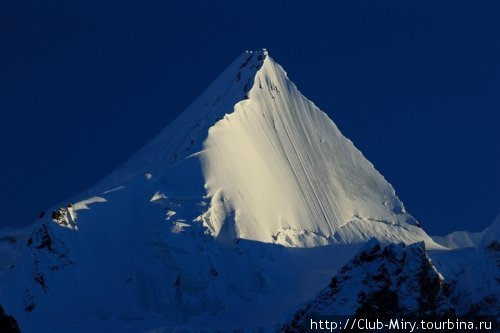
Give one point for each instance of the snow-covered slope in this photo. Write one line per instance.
(490, 234)
(247, 203)
(464, 239)
(459, 239)
(474, 271)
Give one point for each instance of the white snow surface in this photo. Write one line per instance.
(465, 239)
(239, 210)
(475, 268)
(280, 165)
(459, 239)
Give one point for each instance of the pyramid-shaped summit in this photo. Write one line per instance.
(251, 197)
(275, 168)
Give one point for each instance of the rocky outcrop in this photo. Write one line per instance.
(489, 304)
(381, 282)
(7, 323)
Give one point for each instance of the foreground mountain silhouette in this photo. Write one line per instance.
(240, 210)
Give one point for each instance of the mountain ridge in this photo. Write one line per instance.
(249, 201)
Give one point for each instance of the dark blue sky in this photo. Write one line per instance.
(416, 87)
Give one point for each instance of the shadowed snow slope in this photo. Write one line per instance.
(242, 208)
(474, 269)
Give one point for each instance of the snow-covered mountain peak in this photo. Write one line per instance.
(267, 165)
(250, 196)
(300, 182)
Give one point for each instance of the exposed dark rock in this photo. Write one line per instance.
(369, 255)
(29, 301)
(59, 215)
(213, 272)
(177, 282)
(334, 284)
(489, 304)
(29, 307)
(7, 323)
(56, 215)
(43, 239)
(392, 282)
(493, 249)
(246, 62)
(383, 304)
(40, 279)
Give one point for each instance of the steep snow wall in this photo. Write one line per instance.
(278, 167)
